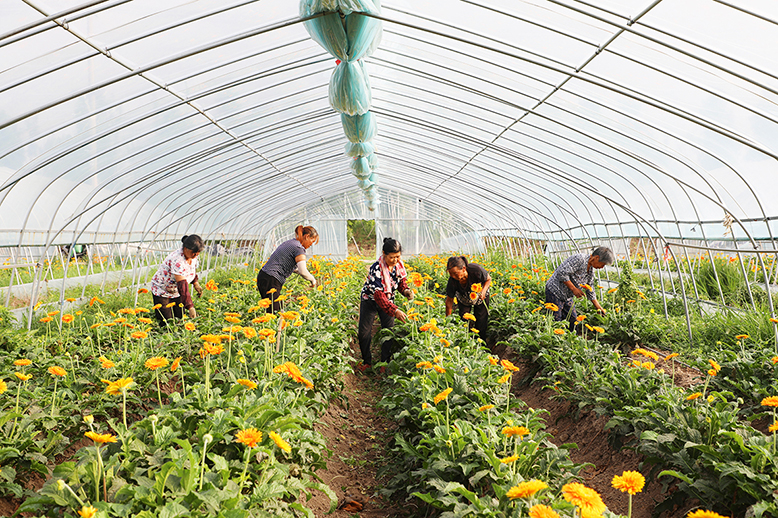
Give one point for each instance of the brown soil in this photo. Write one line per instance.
(586, 430)
(356, 434)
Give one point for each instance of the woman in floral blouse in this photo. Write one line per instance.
(386, 277)
(170, 285)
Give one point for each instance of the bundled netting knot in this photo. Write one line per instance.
(348, 30)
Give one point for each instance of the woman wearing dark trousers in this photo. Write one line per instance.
(386, 277)
(170, 285)
(462, 277)
(287, 259)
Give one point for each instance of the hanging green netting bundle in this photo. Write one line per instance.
(346, 29)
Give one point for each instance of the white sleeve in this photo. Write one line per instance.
(302, 270)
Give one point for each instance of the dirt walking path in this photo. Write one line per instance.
(357, 435)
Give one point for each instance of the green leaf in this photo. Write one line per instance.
(173, 510)
(676, 474)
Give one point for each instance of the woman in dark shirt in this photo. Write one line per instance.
(462, 277)
(288, 258)
(386, 276)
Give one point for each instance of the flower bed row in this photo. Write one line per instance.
(211, 417)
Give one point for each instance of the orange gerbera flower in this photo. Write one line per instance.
(139, 335)
(23, 377)
(291, 370)
(57, 371)
(67, 318)
(559, 331)
(156, 362)
(469, 316)
(424, 365)
(542, 511)
(485, 408)
(692, 397)
(23, 362)
(250, 437)
(443, 395)
(587, 499)
(770, 401)
(630, 482)
(508, 366)
(213, 349)
(175, 364)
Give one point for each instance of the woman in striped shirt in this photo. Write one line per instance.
(288, 258)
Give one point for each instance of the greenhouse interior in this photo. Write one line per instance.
(563, 213)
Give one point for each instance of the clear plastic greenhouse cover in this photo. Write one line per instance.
(556, 121)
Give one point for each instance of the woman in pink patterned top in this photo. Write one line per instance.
(170, 285)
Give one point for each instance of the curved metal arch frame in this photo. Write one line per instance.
(744, 229)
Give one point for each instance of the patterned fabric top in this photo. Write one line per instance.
(282, 262)
(576, 270)
(164, 282)
(374, 282)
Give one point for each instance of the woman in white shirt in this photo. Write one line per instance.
(170, 285)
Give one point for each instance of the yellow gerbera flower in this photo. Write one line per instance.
(87, 511)
(280, 442)
(117, 387)
(100, 438)
(700, 513)
(526, 489)
(247, 383)
(511, 431)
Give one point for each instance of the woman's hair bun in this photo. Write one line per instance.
(387, 239)
(184, 238)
